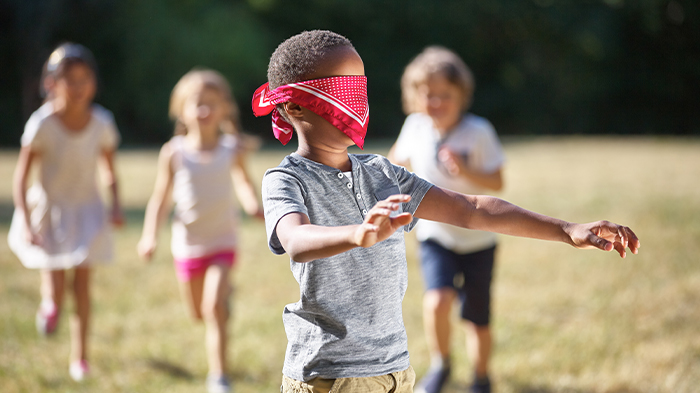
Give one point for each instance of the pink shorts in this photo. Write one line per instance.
(187, 268)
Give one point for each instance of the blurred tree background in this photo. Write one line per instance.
(542, 66)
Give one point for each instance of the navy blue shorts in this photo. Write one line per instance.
(469, 274)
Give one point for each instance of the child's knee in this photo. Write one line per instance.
(439, 300)
(214, 309)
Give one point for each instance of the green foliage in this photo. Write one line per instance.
(542, 66)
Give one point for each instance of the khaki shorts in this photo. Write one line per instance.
(398, 382)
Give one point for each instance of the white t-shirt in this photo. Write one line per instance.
(475, 139)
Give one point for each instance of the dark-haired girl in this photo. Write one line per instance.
(60, 223)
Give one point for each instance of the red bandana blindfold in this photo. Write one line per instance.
(341, 100)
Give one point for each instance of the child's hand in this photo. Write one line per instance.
(604, 235)
(33, 238)
(453, 162)
(378, 225)
(117, 216)
(146, 247)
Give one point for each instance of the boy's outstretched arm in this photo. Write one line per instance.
(496, 215)
(305, 242)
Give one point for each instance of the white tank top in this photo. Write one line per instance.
(205, 218)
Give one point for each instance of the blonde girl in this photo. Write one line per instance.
(454, 149)
(199, 167)
(59, 223)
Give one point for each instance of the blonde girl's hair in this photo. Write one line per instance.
(193, 81)
(432, 61)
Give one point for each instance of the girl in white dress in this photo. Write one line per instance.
(60, 224)
(199, 166)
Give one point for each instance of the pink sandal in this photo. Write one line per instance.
(46, 318)
(79, 370)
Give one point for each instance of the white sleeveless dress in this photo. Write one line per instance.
(64, 203)
(206, 215)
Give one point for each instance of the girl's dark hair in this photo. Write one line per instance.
(300, 55)
(62, 58)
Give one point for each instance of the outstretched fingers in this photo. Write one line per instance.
(608, 236)
(401, 220)
(378, 223)
(386, 207)
(633, 242)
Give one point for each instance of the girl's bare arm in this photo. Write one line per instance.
(19, 187)
(158, 204)
(111, 179)
(245, 190)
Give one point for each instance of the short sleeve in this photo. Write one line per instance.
(491, 151)
(109, 138)
(405, 141)
(34, 135)
(282, 193)
(416, 187)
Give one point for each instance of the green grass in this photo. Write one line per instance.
(565, 320)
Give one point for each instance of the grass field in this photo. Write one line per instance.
(566, 320)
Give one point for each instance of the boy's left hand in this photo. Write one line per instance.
(604, 235)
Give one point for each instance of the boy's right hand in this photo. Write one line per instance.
(378, 224)
(146, 247)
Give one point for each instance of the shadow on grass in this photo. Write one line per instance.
(525, 387)
(171, 369)
(50, 383)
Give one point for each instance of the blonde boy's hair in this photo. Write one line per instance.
(192, 82)
(434, 60)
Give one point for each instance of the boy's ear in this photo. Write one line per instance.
(292, 109)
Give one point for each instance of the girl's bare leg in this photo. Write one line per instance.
(191, 292)
(52, 286)
(52, 290)
(215, 313)
(81, 319)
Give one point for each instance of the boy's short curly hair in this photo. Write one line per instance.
(434, 60)
(299, 56)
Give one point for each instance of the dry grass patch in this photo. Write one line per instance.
(565, 320)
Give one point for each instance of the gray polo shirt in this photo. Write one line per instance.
(348, 320)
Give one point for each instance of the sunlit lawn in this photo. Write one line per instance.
(566, 320)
